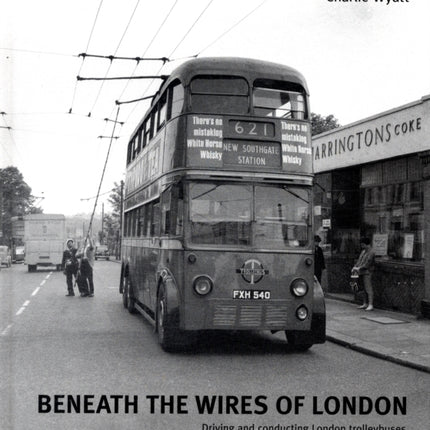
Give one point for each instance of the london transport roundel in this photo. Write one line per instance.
(252, 271)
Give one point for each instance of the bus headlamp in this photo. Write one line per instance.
(202, 285)
(299, 287)
(302, 313)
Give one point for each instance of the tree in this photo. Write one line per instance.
(115, 199)
(15, 199)
(112, 221)
(320, 124)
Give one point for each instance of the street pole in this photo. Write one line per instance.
(103, 216)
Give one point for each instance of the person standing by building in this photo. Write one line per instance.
(364, 267)
(319, 265)
(70, 266)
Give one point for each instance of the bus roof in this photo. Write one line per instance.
(248, 68)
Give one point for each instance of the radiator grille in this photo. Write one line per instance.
(259, 315)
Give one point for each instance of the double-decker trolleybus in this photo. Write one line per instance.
(217, 230)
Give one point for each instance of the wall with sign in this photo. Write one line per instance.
(369, 179)
(376, 138)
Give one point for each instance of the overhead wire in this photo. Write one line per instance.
(102, 194)
(102, 175)
(5, 147)
(114, 121)
(107, 72)
(232, 27)
(170, 55)
(158, 73)
(116, 57)
(31, 51)
(116, 50)
(9, 129)
(150, 44)
(189, 30)
(83, 59)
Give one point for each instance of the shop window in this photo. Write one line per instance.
(399, 193)
(371, 175)
(415, 192)
(387, 205)
(368, 197)
(414, 168)
(395, 171)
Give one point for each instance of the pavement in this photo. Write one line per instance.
(389, 335)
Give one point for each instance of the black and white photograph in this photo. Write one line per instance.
(215, 215)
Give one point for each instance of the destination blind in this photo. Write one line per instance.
(212, 142)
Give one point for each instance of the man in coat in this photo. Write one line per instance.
(70, 266)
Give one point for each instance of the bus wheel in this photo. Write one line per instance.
(299, 342)
(129, 299)
(169, 337)
(124, 293)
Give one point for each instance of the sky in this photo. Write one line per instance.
(359, 58)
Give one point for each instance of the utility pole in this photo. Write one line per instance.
(103, 217)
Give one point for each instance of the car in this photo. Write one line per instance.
(5, 257)
(19, 255)
(102, 251)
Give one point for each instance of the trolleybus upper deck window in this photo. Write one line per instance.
(176, 100)
(279, 103)
(215, 94)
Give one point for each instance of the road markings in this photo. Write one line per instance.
(26, 303)
(35, 291)
(22, 308)
(4, 332)
(20, 311)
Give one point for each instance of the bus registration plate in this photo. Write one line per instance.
(251, 294)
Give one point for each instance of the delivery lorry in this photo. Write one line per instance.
(44, 238)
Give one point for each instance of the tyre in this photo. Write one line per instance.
(299, 342)
(124, 293)
(170, 337)
(130, 301)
